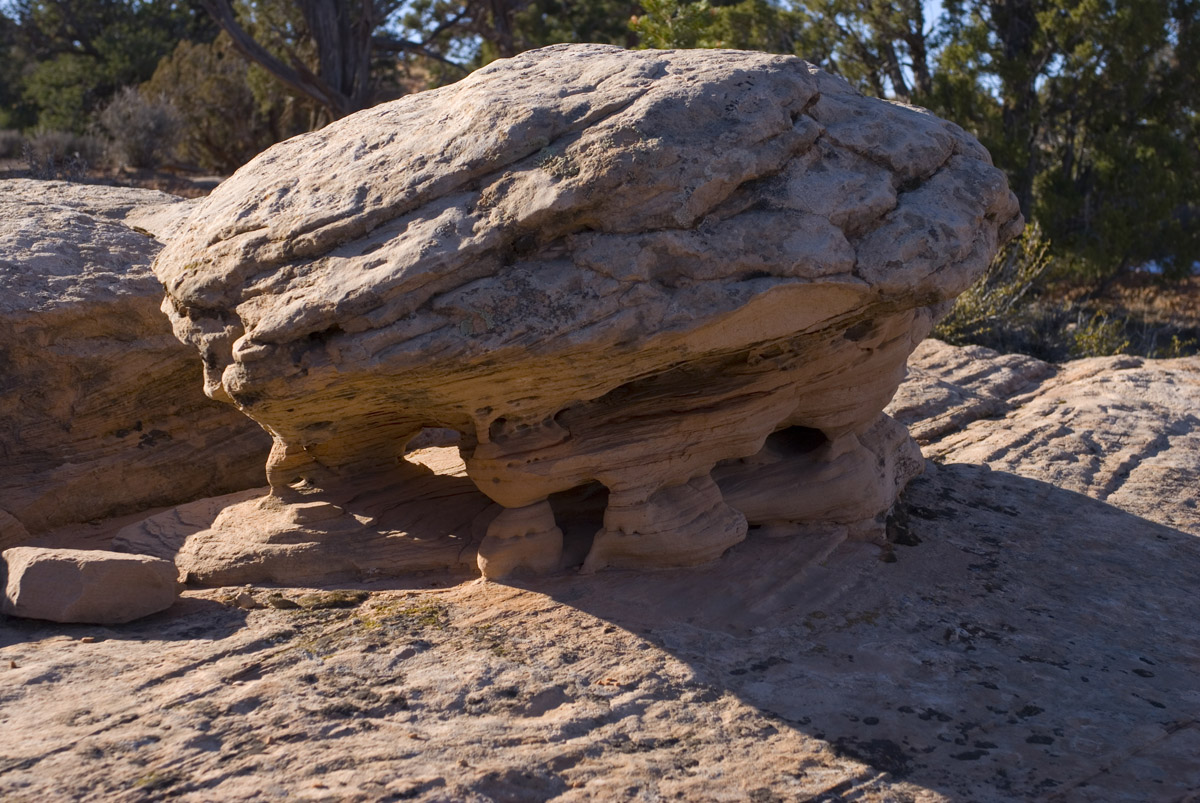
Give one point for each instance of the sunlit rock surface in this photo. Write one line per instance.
(85, 585)
(672, 288)
(1031, 636)
(99, 409)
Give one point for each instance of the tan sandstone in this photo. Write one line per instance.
(86, 585)
(1022, 641)
(683, 283)
(99, 411)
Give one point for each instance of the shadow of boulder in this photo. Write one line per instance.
(1036, 643)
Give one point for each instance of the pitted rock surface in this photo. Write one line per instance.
(99, 410)
(598, 266)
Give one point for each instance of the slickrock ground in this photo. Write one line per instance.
(1032, 636)
(99, 406)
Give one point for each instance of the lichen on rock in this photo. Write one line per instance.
(692, 277)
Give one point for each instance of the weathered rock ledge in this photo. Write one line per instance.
(1124, 430)
(99, 411)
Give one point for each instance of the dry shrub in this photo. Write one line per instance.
(1016, 307)
(142, 129)
(12, 144)
(61, 154)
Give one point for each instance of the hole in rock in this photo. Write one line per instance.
(580, 515)
(859, 331)
(524, 245)
(324, 335)
(796, 440)
(755, 274)
(433, 436)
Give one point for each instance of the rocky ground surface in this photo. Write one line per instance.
(1031, 635)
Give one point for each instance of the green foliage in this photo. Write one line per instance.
(1100, 336)
(1176, 347)
(228, 110)
(761, 25)
(995, 311)
(76, 54)
(1089, 106)
(742, 25)
(546, 22)
(669, 24)
(1019, 306)
(880, 47)
(14, 113)
(64, 90)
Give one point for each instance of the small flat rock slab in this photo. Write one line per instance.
(86, 586)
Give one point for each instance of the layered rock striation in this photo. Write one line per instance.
(1121, 429)
(99, 411)
(689, 280)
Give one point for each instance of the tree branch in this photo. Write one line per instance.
(244, 43)
(394, 44)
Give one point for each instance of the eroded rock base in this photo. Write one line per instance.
(432, 517)
(522, 538)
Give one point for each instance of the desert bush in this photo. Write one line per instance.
(1019, 305)
(1176, 347)
(1000, 310)
(1100, 336)
(12, 144)
(230, 111)
(142, 129)
(61, 154)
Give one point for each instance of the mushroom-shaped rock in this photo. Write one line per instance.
(692, 277)
(86, 586)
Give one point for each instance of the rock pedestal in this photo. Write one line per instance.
(692, 277)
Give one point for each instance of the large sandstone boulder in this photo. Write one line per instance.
(86, 585)
(598, 266)
(99, 412)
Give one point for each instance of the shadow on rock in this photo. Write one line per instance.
(1036, 643)
(189, 618)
